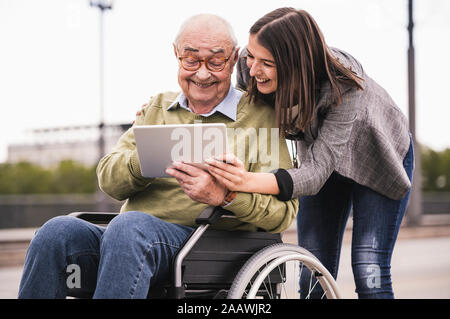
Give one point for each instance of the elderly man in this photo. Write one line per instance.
(135, 250)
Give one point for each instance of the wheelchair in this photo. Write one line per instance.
(217, 264)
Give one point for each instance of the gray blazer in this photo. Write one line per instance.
(365, 138)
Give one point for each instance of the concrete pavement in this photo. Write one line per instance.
(420, 263)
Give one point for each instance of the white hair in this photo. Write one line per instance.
(210, 18)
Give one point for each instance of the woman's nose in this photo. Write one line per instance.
(253, 69)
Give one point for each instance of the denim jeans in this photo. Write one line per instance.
(321, 223)
(122, 260)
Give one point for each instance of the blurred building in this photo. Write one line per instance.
(49, 146)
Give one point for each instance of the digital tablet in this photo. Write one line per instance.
(158, 146)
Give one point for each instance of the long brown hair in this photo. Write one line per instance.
(303, 62)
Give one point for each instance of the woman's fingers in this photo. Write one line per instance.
(229, 158)
(221, 180)
(221, 165)
(233, 167)
(233, 178)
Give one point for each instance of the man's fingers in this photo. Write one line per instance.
(185, 186)
(221, 180)
(180, 176)
(188, 169)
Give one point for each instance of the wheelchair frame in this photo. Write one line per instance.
(263, 248)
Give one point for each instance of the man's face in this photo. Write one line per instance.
(203, 88)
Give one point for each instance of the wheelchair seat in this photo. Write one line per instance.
(216, 258)
(210, 265)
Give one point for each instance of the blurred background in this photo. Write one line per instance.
(74, 72)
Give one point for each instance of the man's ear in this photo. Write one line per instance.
(175, 50)
(236, 55)
(235, 58)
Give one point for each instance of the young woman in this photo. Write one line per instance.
(353, 144)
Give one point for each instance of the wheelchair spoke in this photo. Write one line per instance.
(310, 282)
(300, 275)
(265, 286)
(270, 287)
(260, 271)
(282, 284)
(311, 288)
(285, 291)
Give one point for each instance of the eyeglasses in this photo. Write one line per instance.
(214, 64)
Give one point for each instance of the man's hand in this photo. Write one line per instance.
(198, 184)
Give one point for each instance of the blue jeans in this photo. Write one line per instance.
(122, 260)
(321, 223)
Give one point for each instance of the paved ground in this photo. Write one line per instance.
(420, 268)
(420, 264)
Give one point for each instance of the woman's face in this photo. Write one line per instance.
(262, 66)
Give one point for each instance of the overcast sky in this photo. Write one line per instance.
(49, 56)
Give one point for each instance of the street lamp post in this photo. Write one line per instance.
(102, 5)
(414, 213)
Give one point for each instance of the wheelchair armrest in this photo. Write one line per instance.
(95, 217)
(211, 214)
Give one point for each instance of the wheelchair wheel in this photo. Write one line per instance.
(278, 271)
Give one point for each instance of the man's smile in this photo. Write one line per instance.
(203, 85)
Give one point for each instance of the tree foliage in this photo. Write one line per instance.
(435, 170)
(27, 178)
(72, 177)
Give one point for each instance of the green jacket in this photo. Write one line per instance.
(120, 177)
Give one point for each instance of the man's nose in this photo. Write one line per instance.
(203, 73)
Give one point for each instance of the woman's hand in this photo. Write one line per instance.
(229, 171)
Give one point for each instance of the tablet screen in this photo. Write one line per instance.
(158, 146)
